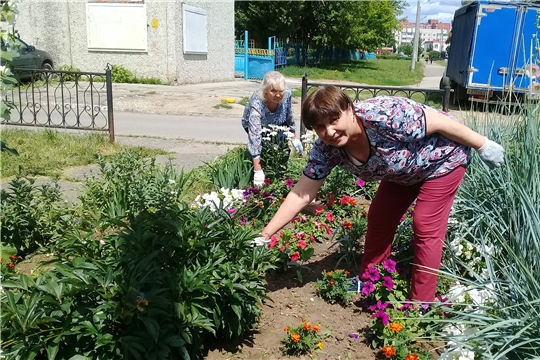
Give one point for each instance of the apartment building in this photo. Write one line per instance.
(432, 33)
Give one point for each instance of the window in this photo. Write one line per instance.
(195, 32)
(116, 27)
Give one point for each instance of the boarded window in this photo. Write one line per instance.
(116, 27)
(195, 32)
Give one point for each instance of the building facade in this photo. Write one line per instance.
(432, 33)
(175, 41)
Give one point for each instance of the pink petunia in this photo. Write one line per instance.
(372, 274)
(289, 183)
(360, 183)
(367, 288)
(388, 283)
(302, 244)
(390, 265)
(267, 181)
(318, 210)
(295, 256)
(381, 315)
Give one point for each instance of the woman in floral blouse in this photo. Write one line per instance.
(416, 152)
(270, 105)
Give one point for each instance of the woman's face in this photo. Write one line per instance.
(338, 131)
(274, 96)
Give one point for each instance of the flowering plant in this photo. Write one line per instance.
(288, 248)
(335, 286)
(383, 282)
(301, 339)
(318, 226)
(348, 236)
(275, 151)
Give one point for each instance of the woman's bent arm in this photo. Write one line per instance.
(301, 195)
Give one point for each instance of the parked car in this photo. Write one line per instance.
(30, 58)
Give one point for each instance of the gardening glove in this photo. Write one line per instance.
(298, 146)
(259, 241)
(258, 178)
(491, 153)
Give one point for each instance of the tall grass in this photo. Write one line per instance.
(501, 208)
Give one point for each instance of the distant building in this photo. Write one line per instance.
(432, 33)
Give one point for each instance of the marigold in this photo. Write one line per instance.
(295, 337)
(307, 326)
(395, 327)
(331, 282)
(10, 265)
(13, 257)
(388, 351)
(321, 345)
(286, 328)
(329, 274)
(411, 357)
(316, 327)
(304, 320)
(347, 272)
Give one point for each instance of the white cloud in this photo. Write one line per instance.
(442, 10)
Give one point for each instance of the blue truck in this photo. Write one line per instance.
(494, 52)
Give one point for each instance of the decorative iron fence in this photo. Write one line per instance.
(62, 99)
(436, 98)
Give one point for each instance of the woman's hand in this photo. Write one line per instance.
(258, 178)
(491, 153)
(298, 146)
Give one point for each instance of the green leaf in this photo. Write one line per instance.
(152, 327)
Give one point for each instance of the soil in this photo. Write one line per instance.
(289, 301)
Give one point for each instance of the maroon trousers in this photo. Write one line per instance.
(434, 200)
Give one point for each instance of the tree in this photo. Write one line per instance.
(406, 49)
(347, 25)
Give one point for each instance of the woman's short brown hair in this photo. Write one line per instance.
(327, 102)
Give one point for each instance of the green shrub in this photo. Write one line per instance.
(69, 77)
(32, 217)
(120, 74)
(334, 287)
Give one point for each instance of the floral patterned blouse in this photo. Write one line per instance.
(256, 116)
(400, 150)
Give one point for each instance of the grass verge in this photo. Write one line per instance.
(384, 72)
(48, 152)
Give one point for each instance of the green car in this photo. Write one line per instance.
(29, 58)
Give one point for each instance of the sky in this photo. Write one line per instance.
(442, 10)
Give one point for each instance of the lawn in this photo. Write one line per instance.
(384, 72)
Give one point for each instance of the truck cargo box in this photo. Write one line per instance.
(493, 49)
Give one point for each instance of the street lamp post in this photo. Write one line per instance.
(416, 36)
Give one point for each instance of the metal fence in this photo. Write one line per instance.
(62, 99)
(433, 97)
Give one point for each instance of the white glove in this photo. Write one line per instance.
(259, 241)
(298, 146)
(258, 178)
(491, 153)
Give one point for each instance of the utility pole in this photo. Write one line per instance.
(416, 36)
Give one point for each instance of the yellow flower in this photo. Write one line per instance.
(321, 345)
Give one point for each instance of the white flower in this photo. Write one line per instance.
(172, 181)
